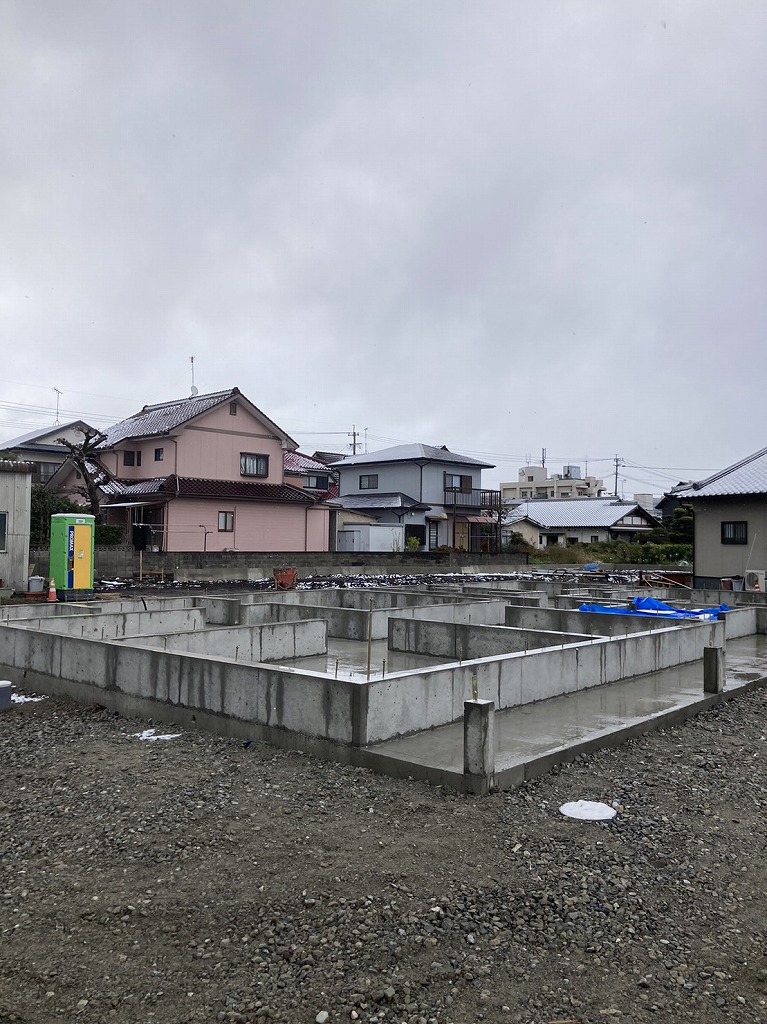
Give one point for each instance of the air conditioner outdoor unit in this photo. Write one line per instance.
(755, 579)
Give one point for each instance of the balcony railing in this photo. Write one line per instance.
(476, 498)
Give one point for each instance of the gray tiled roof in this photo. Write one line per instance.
(564, 513)
(409, 453)
(42, 436)
(395, 501)
(749, 476)
(297, 462)
(123, 489)
(159, 419)
(155, 420)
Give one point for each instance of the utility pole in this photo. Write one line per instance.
(58, 396)
(353, 435)
(618, 462)
(543, 457)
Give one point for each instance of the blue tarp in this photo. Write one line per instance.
(649, 607)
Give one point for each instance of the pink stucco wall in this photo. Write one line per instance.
(258, 526)
(208, 449)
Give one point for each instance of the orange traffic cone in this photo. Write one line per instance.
(52, 596)
(757, 588)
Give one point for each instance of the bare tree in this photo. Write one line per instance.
(82, 455)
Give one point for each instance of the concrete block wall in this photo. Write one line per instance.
(122, 561)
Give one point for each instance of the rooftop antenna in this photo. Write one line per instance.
(58, 396)
(194, 389)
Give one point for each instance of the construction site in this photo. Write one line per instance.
(474, 684)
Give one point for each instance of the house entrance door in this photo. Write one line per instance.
(461, 536)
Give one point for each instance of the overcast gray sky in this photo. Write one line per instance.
(498, 226)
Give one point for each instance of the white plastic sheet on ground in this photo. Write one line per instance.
(152, 734)
(588, 810)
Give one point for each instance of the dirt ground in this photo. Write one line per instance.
(199, 879)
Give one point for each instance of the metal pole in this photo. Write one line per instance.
(370, 633)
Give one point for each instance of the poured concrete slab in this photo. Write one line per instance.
(531, 738)
(348, 659)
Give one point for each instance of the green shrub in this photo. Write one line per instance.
(615, 551)
(44, 505)
(109, 536)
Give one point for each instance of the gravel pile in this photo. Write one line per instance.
(198, 879)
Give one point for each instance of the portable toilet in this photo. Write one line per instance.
(71, 554)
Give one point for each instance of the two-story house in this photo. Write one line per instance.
(205, 473)
(730, 523)
(433, 493)
(42, 450)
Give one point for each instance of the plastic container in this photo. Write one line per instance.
(36, 584)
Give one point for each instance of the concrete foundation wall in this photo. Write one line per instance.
(362, 599)
(732, 598)
(572, 621)
(45, 610)
(275, 641)
(739, 621)
(134, 680)
(114, 625)
(409, 702)
(463, 642)
(267, 702)
(353, 624)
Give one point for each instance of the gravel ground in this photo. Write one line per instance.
(198, 879)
